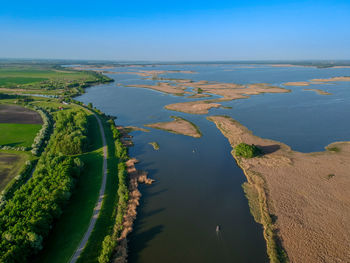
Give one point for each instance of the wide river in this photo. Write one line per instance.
(198, 184)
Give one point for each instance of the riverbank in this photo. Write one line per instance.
(301, 199)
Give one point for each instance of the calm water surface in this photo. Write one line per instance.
(198, 184)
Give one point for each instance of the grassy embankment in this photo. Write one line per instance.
(105, 222)
(69, 229)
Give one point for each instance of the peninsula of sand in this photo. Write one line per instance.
(301, 199)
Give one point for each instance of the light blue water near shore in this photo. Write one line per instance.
(198, 184)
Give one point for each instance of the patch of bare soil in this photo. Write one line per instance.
(308, 195)
(178, 126)
(18, 114)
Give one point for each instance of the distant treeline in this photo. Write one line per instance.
(26, 219)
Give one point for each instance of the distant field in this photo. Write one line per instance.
(45, 79)
(11, 163)
(14, 134)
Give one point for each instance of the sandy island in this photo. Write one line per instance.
(297, 83)
(228, 91)
(164, 87)
(319, 91)
(302, 199)
(150, 73)
(178, 126)
(316, 81)
(332, 79)
(193, 107)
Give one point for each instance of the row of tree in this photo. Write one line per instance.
(43, 135)
(27, 218)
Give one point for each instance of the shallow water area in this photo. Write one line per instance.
(198, 184)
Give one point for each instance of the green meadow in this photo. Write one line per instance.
(16, 135)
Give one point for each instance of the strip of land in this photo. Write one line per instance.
(178, 126)
(302, 199)
(319, 91)
(316, 81)
(193, 107)
(98, 205)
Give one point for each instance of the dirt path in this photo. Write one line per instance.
(98, 205)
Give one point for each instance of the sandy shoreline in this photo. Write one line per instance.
(302, 199)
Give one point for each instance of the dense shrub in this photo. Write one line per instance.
(247, 151)
(71, 132)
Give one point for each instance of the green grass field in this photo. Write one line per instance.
(105, 222)
(11, 163)
(13, 76)
(13, 134)
(71, 226)
(45, 79)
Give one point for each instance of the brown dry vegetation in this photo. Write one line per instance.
(178, 126)
(293, 195)
(18, 114)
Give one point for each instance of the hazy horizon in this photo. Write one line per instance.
(184, 31)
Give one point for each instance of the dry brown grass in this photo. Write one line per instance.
(312, 211)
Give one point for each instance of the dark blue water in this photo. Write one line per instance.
(198, 184)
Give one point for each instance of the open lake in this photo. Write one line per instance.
(198, 184)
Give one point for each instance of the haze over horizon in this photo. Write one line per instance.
(184, 31)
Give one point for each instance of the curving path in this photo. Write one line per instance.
(98, 205)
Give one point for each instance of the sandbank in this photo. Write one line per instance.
(319, 91)
(178, 126)
(297, 83)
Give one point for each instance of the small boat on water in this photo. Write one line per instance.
(217, 228)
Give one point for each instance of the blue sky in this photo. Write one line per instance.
(175, 30)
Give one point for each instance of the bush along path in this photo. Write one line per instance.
(98, 205)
